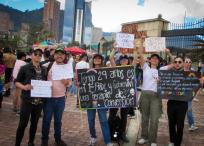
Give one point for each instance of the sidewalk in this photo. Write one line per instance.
(75, 131)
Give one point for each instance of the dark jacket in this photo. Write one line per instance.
(26, 74)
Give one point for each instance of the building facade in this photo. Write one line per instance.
(51, 18)
(77, 22)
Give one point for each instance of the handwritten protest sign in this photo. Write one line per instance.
(155, 44)
(64, 71)
(41, 88)
(107, 87)
(124, 40)
(178, 85)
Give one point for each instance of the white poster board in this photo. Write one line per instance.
(64, 71)
(124, 40)
(155, 44)
(41, 88)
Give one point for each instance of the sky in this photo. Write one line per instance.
(110, 14)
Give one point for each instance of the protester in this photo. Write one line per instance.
(190, 117)
(123, 61)
(176, 110)
(9, 61)
(150, 103)
(2, 75)
(21, 56)
(56, 104)
(91, 113)
(30, 107)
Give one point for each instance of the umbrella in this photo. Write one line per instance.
(75, 50)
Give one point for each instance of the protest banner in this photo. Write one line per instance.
(155, 44)
(124, 40)
(178, 85)
(107, 87)
(60, 72)
(41, 88)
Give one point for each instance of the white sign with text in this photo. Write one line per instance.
(41, 88)
(155, 44)
(60, 72)
(124, 40)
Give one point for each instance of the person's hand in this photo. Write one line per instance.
(27, 87)
(167, 51)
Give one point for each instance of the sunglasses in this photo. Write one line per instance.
(38, 54)
(188, 62)
(179, 62)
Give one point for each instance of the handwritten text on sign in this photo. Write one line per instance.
(178, 85)
(41, 88)
(155, 44)
(107, 87)
(124, 40)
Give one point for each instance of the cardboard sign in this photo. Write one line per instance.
(124, 40)
(155, 44)
(41, 88)
(107, 87)
(178, 85)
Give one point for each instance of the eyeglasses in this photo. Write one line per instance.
(179, 62)
(38, 54)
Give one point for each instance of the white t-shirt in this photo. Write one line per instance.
(82, 65)
(17, 66)
(150, 77)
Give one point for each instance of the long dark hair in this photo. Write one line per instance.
(102, 59)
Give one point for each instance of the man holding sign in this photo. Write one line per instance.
(31, 106)
(60, 75)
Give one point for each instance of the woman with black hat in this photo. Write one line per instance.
(150, 103)
(91, 113)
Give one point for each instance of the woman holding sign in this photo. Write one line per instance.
(176, 109)
(91, 113)
(150, 103)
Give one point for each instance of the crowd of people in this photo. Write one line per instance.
(20, 68)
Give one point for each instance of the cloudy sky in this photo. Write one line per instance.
(110, 14)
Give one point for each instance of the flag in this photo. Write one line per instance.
(141, 2)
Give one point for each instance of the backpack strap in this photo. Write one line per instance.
(49, 66)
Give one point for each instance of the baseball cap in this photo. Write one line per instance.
(59, 49)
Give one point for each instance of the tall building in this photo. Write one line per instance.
(51, 17)
(77, 21)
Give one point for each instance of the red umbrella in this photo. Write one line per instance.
(75, 50)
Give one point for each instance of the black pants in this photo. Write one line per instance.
(32, 112)
(123, 115)
(176, 111)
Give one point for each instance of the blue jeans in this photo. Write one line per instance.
(91, 113)
(53, 106)
(190, 114)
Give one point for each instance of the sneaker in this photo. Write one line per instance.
(192, 128)
(92, 141)
(109, 144)
(142, 141)
(195, 99)
(124, 138)
(60, 143)
(153, 144)
(170, 144)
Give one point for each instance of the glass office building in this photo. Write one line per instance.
(77, 21)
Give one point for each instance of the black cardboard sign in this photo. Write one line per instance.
(107, 87)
